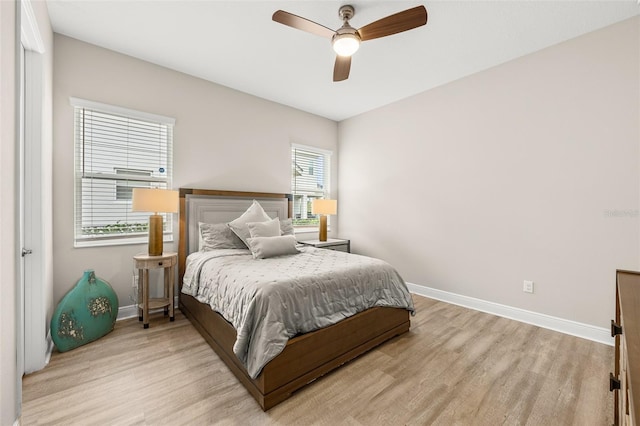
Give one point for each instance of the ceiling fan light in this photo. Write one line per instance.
(345, 44)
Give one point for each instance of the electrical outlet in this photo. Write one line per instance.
(528, 286)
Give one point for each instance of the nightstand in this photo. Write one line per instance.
(144, 263)
(331, 244)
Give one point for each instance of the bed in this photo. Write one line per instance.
(305, 357)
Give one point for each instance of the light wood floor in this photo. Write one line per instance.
(455, 367)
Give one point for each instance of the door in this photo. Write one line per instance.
(33, 281)
(21, 238)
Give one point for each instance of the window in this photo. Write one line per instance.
(309, 180)
(117, 150)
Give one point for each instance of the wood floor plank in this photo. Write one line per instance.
(455, 367)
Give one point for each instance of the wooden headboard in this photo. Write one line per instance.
(215, 206)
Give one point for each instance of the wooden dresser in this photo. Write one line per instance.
(626, 381)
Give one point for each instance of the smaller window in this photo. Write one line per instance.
(309, 181)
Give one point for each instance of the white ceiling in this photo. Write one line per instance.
(236, 44)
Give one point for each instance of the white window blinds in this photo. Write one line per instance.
(309, 180)
(117, 150)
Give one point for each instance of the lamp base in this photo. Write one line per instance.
(323, 228)
(155, 235)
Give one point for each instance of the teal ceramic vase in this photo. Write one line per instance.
(86, 313)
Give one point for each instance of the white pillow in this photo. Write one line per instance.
(265, 247)
(218, 236)
(270, 228)
(255, 213)
(286, 226)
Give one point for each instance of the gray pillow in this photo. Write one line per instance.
(255, 213)
(270, 228)
(265, 247)
(286, 226)
(218, 236)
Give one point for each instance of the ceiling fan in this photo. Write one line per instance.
(346, 40)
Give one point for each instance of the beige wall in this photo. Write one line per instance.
(223, 139)
(527, 171)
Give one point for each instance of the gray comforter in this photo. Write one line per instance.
(269, 301)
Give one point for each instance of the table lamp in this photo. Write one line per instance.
(323, 208)
(155, 201)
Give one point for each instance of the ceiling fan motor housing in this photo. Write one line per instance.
(346, 36)
(346, 12)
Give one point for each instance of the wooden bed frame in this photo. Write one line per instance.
(305, 357)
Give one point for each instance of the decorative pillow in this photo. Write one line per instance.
(265, 247)
(255, 213)
(286, 226)
(270, 228)
(218, 236)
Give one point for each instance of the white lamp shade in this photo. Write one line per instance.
(154, 200)
(345, 44)
(324, 206)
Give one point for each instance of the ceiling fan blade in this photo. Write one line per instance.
(393, 24)
(303, 24)
(341, 68)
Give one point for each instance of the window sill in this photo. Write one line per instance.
(118, 241)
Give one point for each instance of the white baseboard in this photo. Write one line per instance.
(586, 331)
(573, 328)
(131, 311)
(128, 311)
